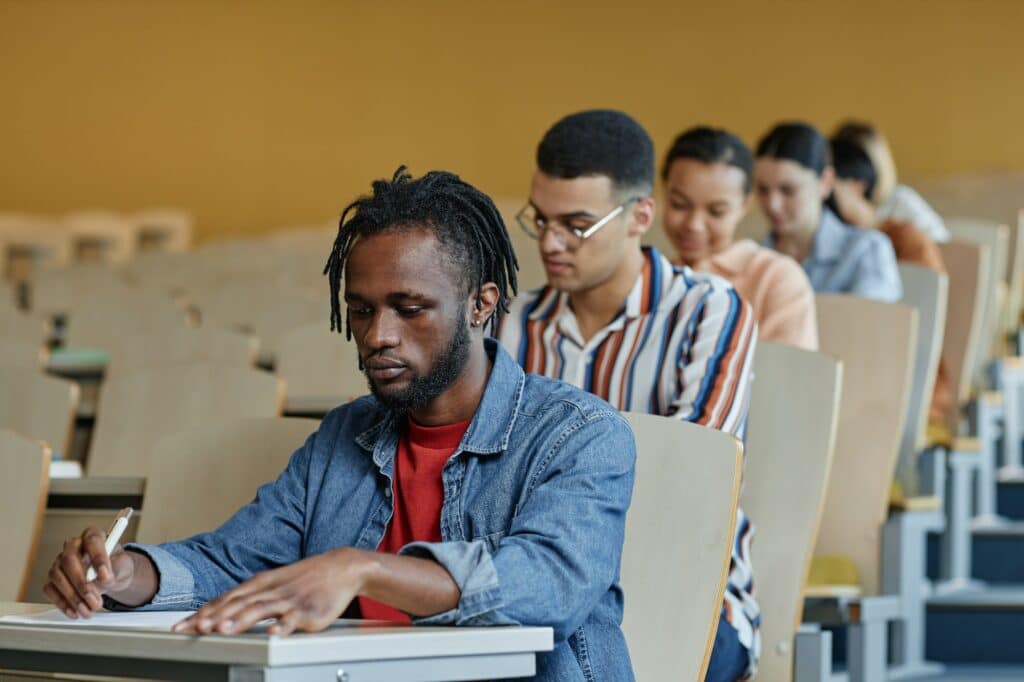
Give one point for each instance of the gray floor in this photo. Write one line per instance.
(977, 673)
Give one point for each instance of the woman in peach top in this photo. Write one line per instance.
(707, 175)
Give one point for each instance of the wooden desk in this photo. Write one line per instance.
(346, 653)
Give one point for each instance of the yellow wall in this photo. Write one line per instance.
(260, 114)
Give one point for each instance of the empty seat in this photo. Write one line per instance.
(679, 534)
(218, 467)
(136, 409)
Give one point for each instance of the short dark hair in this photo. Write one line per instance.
(711, 145)
(796, 141)
(599, 142)
(851, 162)
(465, 220)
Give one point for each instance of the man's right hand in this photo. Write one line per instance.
(67, 587)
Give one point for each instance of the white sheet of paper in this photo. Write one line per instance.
(145, 620)
(65, 468)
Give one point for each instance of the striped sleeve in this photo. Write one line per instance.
(715, 363)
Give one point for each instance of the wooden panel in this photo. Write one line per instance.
(28, 243)
(262, 308)
(167, 230)
(997, 238)
(218, 468)
(319, 366)
(181, 345)
(19, 326)
(20, 353)
(38, 406)
(59, 291)
(100, 236)
(927, 291)
(112, 320)
(876, 343)
(794, 411)
(26, 467)
(1015, 276)
(968, 266)
(674, 574)
(136, 409)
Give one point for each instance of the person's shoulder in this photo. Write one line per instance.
(776, 269)
(861, 240)
(544, 396)
(912, 244)
(906, 196)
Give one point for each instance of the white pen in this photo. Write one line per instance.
(113, 537)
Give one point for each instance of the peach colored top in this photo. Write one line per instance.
(776, 287)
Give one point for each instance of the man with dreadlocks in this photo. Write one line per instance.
(461, 492)
(622, 322)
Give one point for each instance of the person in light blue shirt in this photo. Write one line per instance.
(793, 180)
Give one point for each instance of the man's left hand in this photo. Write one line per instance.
(307, 595)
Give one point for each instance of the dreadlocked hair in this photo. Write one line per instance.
(465, 220)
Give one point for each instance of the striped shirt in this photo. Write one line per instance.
(681, 346)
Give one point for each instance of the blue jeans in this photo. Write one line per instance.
(728, 657)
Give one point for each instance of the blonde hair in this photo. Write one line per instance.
(874, 144)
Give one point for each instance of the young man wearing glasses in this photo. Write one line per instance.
(622, 322)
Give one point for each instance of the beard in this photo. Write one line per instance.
(423, 388)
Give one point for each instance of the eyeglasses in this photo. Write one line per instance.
(536, 225)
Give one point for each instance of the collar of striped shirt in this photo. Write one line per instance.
(650, 292)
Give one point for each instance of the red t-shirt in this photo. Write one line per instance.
(419, 495)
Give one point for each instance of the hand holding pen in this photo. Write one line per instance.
(93, 564)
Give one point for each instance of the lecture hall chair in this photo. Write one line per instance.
(964, 457)
(877, 343)
(136, 409)
(29, 242)
(320, 369)
(794, 412)
(674, 575)
(114, 319)
(913, 515)
(183, 345)
(16, 352)
(997, 238)
(99, 236)
(217, 467)
(59, 291)
(995, 367)
(928, 292)
(170, 272)
(162, 230)
(23, 488)
(22, 337)
(1011, 321)
(39, 406)
(263, 308)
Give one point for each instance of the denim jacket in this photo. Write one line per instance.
(532, 524)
